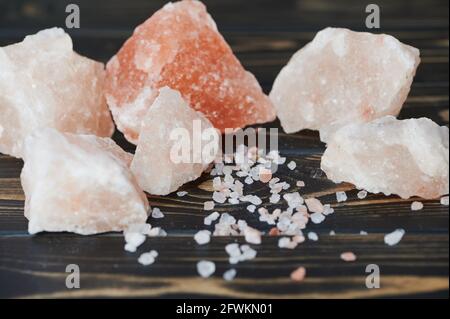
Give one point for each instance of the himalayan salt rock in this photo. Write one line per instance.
(43, 83)
(180, 47)
(343, 77)
(80, 184)
(407, 158)
(176, 145)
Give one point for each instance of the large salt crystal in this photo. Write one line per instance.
(390, 156)
(43, 83)
(343, 77)
(80, 184)
(176, 145)
(180, 47)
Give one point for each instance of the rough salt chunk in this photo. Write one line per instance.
(403, 157)
(206, 268)
(445, 201)
(203, 237)
(348, 256)
(229, 275)
(147, 259)
(299, 274)
(180, 47)
(395, 237)
(415, 206)
(80, 184)
(314, 205)
(341, 197)
(43, 83)
(343, 77)
(167, 155)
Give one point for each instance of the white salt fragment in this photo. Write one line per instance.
(362, 194)
(149, 258)
(286, 243)
(209, 205)
(348, 256)
(249, 180)
(313, 236)
(206, 268)
(332, 233)
(292, 165)
(341, 197)
(217, 184)
(208, 220)
(317, 218)
(219, 197)
(203, 237)
(363, 233)
(395, 237)
(157, 213)
(415, 206)
(275, 198)
(233, 250)
(182, 194)
(301, 184)
(294, 199)
(314, 205)
(327, 210)
(133, 240)
(252, 236)
(445, 201)
(251, 208)
(229, 275)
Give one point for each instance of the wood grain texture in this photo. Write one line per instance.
(264, 34)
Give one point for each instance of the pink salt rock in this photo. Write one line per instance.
(43, 83)
(390, 156)
(180, 47)
(343, 77)
(175, 146)
(80, 184)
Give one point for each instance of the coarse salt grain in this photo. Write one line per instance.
(219, 197)
(157, 213)
(229, 275)
(292, 165)
(275, 198)
(348, 256)
(299, 274)
(363, 233)
(265, 175)
(313, 236)
(149, 258)
(415, 206)
(362, 194)
(445, 201)
(209, 205)
(182, 194)
(208, 220)
(252, 236)
(341, 197)
(395, 237)
(317, 218)
(133, 240)
(314, 205)
(301, 184)
(251, 208)
(206, 268)
(203, 237)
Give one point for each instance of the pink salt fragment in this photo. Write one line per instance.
(274, 232)
(344, 77)
(176, 147)
(209, 205)
(180, 47)
(299, 274)
(80, 184)
(314, 205)
(348, 256)
(265, 175)
(415, 206)
(44, 83)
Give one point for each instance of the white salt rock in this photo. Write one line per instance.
(341, 197)
(292, 165)
(445, 201)
(80, 184)
(314, 205)
(301, 184)
(149, 258)
(344, 77)
(219, 197)
(313, 236)
(275, 198)
(294, 199)
(203, 237)
(328, 210)
(415, 206)
(252, 236)
(390, 156)
(229, 275)
(157, 213)
(44, 83)
(362, 194)
(208, 220)
(395, 237)
(363, 233)
(251, 208)
(182, 194)
(206, 268)
(209, 205)
(133, 240)
(167, 155)
(317, 218)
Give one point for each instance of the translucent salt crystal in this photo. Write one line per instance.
(180, 47)
(229, 275)
(251, 208)
(332, 233)
(313, 236)
(203, 237)
(157, 213)
(162, 164)
(341, 197)
(317, 218)
(265, 175)
(286, 243)
(48, 85)
(206, 268)
(362, 194)
(407, 157)
(275, 198)
(445, 200)
(301, 184)
(293, 199)
(233, 250)
(252, 236)
(182, 194)
(209, 205)
(314, 205)
(348, 256)
(149, 258)
(292, 165)
(133, 240)
(255, 200)
(395, 237)
(208, 220)
(219, 197)
(328, 210)
(343, 77)
(91, 191)
(415, 206)
(217, 184)
(249, 181)
(299, 274)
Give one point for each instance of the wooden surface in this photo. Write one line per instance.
(264, 34)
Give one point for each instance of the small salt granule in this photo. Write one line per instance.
(206, 268)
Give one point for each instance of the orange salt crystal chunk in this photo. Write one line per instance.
(274, 232)
(180, 47)
(299, 274)
(265, 176)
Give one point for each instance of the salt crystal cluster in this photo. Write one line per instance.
(166, 156)
(390, 156)
(180, 47)
(343, 77)
(80, 184)
(43, 83)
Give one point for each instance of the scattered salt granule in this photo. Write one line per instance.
(415, 206)
(407, 157)
(362, 194)
(149, 258)
(301, 184)
(251, 208)
(348, 256)
(313, 236)
(180, 40)
(229, 275)
(157, 213)
(275, 198)
(96, 191)
(182, 194)
(249, 180)
(133, 240)
(341, 197)
(219, 197)
(445, 200)
(363, 233)
(394, 238)
(252, 236)
(332, 233)
(328, 210)
(206, 268)
(317, 218)
(352, 85)
(286, 242)
(203, 237)
(47, 84)
(314, 205)
(292, 165)
(265, 175)
(293, 199)
(239, 254)
(208, 205)
(299, 274)
(208, 220)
